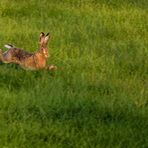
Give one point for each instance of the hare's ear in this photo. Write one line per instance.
(47, 37)
(41, 35)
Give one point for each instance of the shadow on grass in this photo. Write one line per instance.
(87, 119)
(83, 112)
(12, 76)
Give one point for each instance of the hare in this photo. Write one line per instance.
(28, 61)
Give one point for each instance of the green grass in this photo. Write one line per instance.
(98, 97)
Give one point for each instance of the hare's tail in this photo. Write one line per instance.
(9, 46)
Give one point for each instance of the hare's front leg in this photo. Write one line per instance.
(51, 67)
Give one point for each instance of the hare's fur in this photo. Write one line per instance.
(30, 61)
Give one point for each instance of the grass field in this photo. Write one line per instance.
(98, 97)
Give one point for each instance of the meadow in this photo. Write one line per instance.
(98, 97)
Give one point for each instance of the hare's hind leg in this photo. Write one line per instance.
(7, 57)
(1, 55)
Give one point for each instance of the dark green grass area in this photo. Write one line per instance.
(98, 97)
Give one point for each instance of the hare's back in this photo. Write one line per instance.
(22, 54)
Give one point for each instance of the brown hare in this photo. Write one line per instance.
(30, 61)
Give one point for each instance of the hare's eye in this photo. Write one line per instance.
(44, 51)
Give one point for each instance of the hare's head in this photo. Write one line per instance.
(43, 41)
